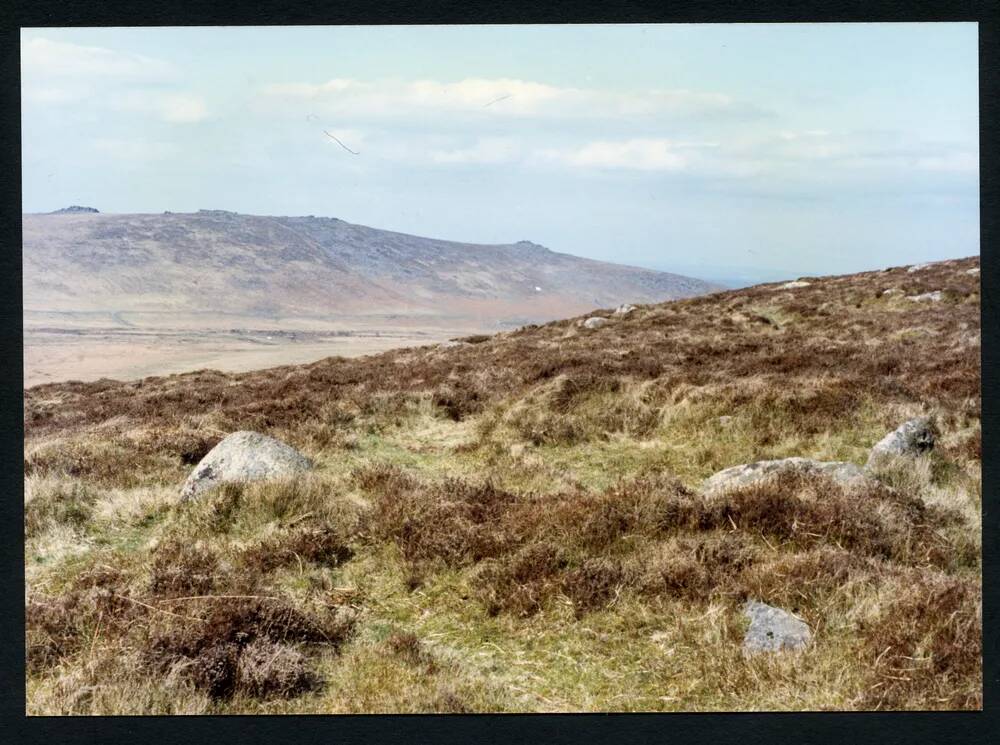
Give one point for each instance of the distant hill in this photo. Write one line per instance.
(215, 262)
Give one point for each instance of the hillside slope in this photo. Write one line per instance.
(214, 262)
(517, 522)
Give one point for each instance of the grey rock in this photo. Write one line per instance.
(795, 284)
(847, 474)
(917, 268)
(624, 309)
(974, 271)
(773, 629)
(912, 438)
(595, 322)
(244, 456)
(933, 297)
(892, 291)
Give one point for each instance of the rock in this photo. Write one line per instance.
(795, 284)
(892, 291)
(452, 343)
(917, 268)
(974, 271)
(595, 322)
(244, 456)
(843, 473)
(912, 438)
(933, 297)
(624, 309)
(773, 629)
(725, 420)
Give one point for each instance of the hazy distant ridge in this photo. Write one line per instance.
(223, 262)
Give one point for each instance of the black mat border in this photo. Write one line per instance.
(884, 728)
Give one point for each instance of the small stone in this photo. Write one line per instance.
(773, 629)
(892, 291)
(912, 438)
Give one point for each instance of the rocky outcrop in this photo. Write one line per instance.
(624, 309)
(912, 438)
(795, 284)
(773, 630)
(847, 474)
(244, 456)
(73, 209)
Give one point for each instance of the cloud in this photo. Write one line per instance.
(179, 108)
(642, 154)
(486, 98)
(487, 150)
(53, 94)
(41, 57)
(176, 108)
(955, 162)
(861, 151)
(135, 150)
(59, 73)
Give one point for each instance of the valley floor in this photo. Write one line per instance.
(57, 355)
(90, 348)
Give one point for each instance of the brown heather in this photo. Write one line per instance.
(515, 524)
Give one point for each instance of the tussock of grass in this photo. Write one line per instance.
(924, 645)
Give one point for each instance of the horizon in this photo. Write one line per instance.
(767, 150)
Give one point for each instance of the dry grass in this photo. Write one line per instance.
(515, 524)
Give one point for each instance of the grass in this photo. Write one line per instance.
(517, 525)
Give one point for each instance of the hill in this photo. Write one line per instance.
(518, 522)
(126, 296)
(223, 264)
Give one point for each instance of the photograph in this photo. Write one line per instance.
(501, 368)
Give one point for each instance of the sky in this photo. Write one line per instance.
(746, 152)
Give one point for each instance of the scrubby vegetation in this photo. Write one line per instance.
(515, 523)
